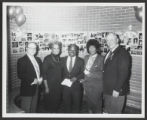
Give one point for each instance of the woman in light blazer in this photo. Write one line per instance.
(93, 77)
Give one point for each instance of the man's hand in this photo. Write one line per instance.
(35, 82)
(73, 79)
(40, 80)
(46, 90)
(115, 93)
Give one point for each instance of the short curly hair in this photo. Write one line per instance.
(75, 46)
(95, 43)
(55, 43)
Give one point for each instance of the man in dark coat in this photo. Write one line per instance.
(29, 72)
(117, 65)
(73, 71)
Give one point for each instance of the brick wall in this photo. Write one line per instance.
(89, 18)
(134, 99)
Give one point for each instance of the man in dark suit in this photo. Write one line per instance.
(73, 68)
(117, 66)
(28, 69)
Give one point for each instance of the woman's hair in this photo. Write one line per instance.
(95, 43)
(55, 43)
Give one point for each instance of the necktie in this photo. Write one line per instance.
(109, 55)
(70, 64)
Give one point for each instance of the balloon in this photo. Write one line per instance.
(20, 19)
(18, 10)
(138, 13)
(11, 12)
(138, 16)
(135, 8)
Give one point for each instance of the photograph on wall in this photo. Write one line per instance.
(29, 38)
(26, 44)
(74, 60)
(140, 35)
(13, 38)
(35, 37)
(21, 44)
(14, 44)
(23, 39)
(21, 50)
(29, 34)
(15, 51)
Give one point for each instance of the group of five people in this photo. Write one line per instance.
(103, 81)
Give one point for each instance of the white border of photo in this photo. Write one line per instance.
(45, 115)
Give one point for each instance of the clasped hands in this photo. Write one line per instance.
(115, 93)
(37, 81)
(73, 79)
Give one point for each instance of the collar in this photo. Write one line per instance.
(72, 57)
(30, 56)
(114, 48)
(94, 56)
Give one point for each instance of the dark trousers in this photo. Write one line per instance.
(72, 98)
(114, 104)
(29, 103)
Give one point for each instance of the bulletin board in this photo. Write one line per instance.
(43, 39)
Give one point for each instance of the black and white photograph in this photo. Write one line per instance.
(73, 60)
(15, 51)
(21, 50)
(14, 44)
(140, 35)
(21, 44)
(29, 38)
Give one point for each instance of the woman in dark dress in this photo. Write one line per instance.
(52, 79)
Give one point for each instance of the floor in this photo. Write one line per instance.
(128, 110)
(14, 106)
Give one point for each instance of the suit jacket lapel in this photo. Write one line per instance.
(112, 56)
(37, 60)
(107, 60)
(115, 51)
(31, 65)
(66, 64)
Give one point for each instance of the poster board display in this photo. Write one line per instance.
(43, 39)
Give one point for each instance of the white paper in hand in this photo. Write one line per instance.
(66, 82)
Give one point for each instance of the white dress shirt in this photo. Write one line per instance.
(68, 61)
